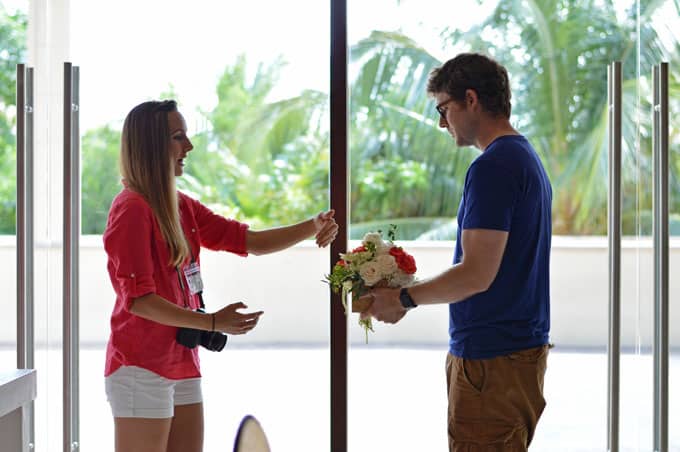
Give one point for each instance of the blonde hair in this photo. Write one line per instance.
(147, 168)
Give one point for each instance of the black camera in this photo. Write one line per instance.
(212, 340)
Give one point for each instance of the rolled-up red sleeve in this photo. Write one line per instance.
(219, 233)
(127, 242)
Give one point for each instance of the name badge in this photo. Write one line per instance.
(192, 273)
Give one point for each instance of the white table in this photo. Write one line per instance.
(17, 391)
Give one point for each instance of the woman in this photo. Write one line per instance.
(153, 238)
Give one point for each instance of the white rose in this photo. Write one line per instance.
(384, 248)
(370, 273)
(376, 239)
(372, 237)
(386, 265)
(401, 279)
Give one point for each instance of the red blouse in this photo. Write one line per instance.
(138, 265)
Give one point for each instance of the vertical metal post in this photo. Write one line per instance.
(661, 265)
(339, 202)
(614, 342)
(66, 316)
(71, 235)
(29, 243)
(21, 218)
(29, 221)
(24, 235)
(75, 258)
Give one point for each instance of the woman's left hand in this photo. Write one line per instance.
(326, 228)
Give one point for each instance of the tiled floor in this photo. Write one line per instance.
(397, 400)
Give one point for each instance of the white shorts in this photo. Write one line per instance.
(136, 392)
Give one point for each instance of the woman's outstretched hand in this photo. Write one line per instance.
(326, 228)
(227, 320)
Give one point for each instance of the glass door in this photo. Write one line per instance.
(646, 334)
(405, 171)
(15, 349)
(26, 27)
(257, 116)
(13, 23)
(23, 42)
(254, 91)
(660, 43)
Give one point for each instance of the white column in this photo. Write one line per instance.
(48, 46)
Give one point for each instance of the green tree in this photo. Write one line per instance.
(405, 170)
(260, 161)
(556, 53)
(559, 64)
(12, 49)
(100, 177)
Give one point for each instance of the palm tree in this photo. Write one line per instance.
(556, 53)
(258, 161)
(404, 169)
(261, 161)
(562, 103)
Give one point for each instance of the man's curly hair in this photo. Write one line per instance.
(479, 73)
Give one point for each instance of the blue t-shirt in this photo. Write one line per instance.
(507, 189)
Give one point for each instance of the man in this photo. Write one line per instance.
(498, 288)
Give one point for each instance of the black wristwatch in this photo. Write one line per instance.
(406, 300)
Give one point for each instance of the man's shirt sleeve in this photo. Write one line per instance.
(491, 193)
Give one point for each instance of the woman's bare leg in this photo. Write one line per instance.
(186, 432)
(135, 434)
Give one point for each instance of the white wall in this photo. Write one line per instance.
(288, 287)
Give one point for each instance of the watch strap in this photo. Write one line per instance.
(405, 299)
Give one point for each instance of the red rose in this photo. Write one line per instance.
(396, 251)
(341, 263)
(359, 249)
(405, 261)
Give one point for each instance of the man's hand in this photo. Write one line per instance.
(326, 228)
(386, 318)
(386, 306)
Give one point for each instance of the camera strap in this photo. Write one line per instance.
(181, 285)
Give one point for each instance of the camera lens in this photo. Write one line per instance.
(188, 337)
(213, 340)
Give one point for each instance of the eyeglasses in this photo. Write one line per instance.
(442, 111)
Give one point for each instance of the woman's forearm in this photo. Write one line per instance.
(156, 308)
(276, 239)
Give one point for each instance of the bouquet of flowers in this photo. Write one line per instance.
(376, 263)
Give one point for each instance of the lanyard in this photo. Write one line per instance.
(192, 274)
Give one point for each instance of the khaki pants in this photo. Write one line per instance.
(495, 404)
